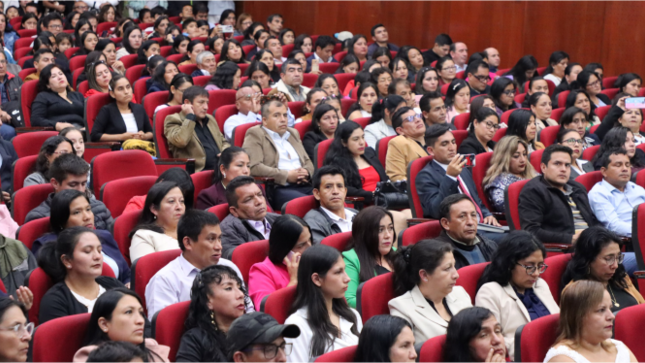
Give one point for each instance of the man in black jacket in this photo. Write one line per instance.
(440, 49)
(458, 218)
(552, 207)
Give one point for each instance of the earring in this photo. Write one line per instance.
(213, 318)
(224, 175)
(155, 217)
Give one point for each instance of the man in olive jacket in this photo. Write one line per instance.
(193, 133)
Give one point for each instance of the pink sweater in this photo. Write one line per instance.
(265, 278)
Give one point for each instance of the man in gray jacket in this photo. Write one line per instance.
(69, 171)
(331, 217)
(249, 220)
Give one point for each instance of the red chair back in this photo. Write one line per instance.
(469, 276)
(628, 328)
(553, 275)
(77, 62)
(239, 133)
(188, 69)
(75, 74)
(562, 98)
(223, 113)
(374, 295)
(345, 104)
(512, 201)
(117, 193)
(165, 51)
(278, 303)
(638, 234)
(168, 326)
(419, 232)
(47, 345)
(593, 128)
(22, 43)
(340, 355)
(296, 108)
(145, 267)
(536, 338)
(21, 168)
(590, 152)
(413, 169)
(462, 120)
(29, 143)
(520, 98)
(15, 22)
(460, 136)
(343, 78)
(363, 121)
(25, 72)
(71, 51)
(300, 206)
(123, 225)
(482, 163)
(83, 87)
(499, 134)
(21, 53)
(23, 59)
(551, 86)
(320, 151)
(161, 143)
(328, 67)
(140, 88)
(309, 80)
(129, 60)
(123, 164)
(609, 82)
(28, 92)
(33, 230)
(340, 55)
(28, 198)
(133, 74)
(432, 349)
(557, 113)
(248, 254)
(338, 241)
(535, 158)
(602, 111)
(381, 148)
(610, 92)
(220, 210)
(302, 128)
(201, 181)
(588, 180)
(151, 101)
(26, 33)
(219, 98)
(106, 26)
(548, 135)
(461, 75)
(506, 115)
(93, 105)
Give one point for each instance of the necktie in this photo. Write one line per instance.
(462, 186)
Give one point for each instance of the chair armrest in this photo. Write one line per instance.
(354, 199)
(500, 216)
(557, 247)
(640, 280)
(22, 130)
(264, 179)
(114, 145)
(415, 221)
(188, 163)
(639, 274)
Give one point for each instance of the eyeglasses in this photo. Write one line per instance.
(510, 92)
(62, 152)
(593, 84)
(490, 125)
(271, 350)
(609, 260)
(55, 26)
(573, 141)
(482, 78)
(449, 69)
(412, 118)
(530, 270)
(20, 329)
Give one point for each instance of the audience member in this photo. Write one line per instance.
(177, 175)
(521, 123)
(290, 238)
(457, 99)
(206, 65)
(440, 49)
(558, 62)
(329, 84)
(98, 78)
(386, 338)
(459, 53)
(475, 335)
(357, 46)
(493, 57)
(481, 132)
(323, 50)
(367, 96)
(575, 118)
(320, 297)
(227, 76)
(291, 77)
(76, 137)
(401, 87)
(56, 105)
(381, 122)
(51, 149)
(552, 207)
(580, 99)
(259, 332)
(408, 146)
(180, 83)
(447, 70)
(427, 80)
(162, 77)
(424, 278)
(380, 38)
(304, 43)
(591, 83)
(233, 162)
(16, 337)
(514, 274)
(42, 59)
(629, 83)
(313, 99)
(503, 92)
(116, 351)
(478, 78)
(247, 102)
(572, 140)
(132, 39)
(433, 109)
(323, 126)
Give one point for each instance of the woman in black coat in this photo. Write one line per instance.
(481, 133)
(121, 120)
(56, 105)
(323, 126)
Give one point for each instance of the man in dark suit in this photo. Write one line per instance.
(446, 175)
(249, 220)
(440, 49)
(478, 77)
(260, 37)
(322, 51)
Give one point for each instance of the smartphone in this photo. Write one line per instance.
(315, 66)
(635, 102)
(470, 159)
(227, 31)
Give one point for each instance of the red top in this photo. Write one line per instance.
(370, 178)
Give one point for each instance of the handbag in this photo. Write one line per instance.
(392, 195)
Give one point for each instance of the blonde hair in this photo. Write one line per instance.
(501, 161)
(578, 299)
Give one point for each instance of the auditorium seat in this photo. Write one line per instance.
(419, 232)
(161, 143)
(29, 143)
(548, 135)
(21, 169)
(144, 268)
(32, 230)
(248, 254)
(123, 225)
(151, 101)
(58, 340)
(628, 327)
(28, 198)
(339, 241)
(278, 303)
(432, 350)
(93, 105)
(122, 164)
(381, 148)
(239, 133)
(373, 295)
(116, 194)
(533, 340)
(300, 206)
(413, 169)
(220, 210)
(339, 355)
(588, 180)
(461, 121)
(168, 326)
(553, 274)
(320, 151)
(469, 276)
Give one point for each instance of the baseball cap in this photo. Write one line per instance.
(257, 328)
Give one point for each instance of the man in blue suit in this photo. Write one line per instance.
(446, 175)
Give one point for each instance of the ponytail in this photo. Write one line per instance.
(50, 255)
(389, 102)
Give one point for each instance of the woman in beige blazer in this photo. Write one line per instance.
(511, 287)
(424, 279)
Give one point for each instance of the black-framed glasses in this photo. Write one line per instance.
(271, 350)
(490, 125)
(573, 141)
(530, 270)
(510, 92)
(20, 329)
(482, 78)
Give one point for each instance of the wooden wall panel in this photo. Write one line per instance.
(591, 31)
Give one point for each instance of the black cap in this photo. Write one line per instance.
(257, 328)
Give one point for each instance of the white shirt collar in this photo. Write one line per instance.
(275, 135)
(348, 215)
(186, 266)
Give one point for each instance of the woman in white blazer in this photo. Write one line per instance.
(425, 277)
(325, 320)
(511, 287)
(381, 123)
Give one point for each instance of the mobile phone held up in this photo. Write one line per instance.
(470, 159)
(635, 102)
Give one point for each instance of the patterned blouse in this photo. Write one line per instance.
(495, 190)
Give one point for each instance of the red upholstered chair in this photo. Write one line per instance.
(460, 136)
(28, 198)
(140, 89)
(499, 134)
(300, 206)
(202, 80)
(593, 128)
(610, 92)
(461, 121)
(461, 75)
(106, 26)
(83, 87)
(28, 92)
(47, 345)
(343, 78)
(202, 180)
(609, 82)
(413, 169)
(248, 254)
(320, 151)
(506, 115)
(144, 268)
(340, 55)
(77, 62)
(219, 98)
(590, 152)
(309, 80)
(21, 53)
(302, 128)
(220, 210)
(533, 340)
(26, 33)
(93, 105)
(553, 274)
(328, 67)
(340, 355)
(32, 230)
(339, 240)
(22, 60)
(588, 180)
(551, 86)
(71, 51)
(638, 235)
(548, 135)
(629, 327)
(416, 233)
(161, 143)
(117, 193)
(602, 111)
(22, 43)
(75, 74)
(129, 60)
(444, 88)
(188, 68)
(133, 74)
(25, 72)
(296, 108)
(373, 296)
(240, 132)
(511, 203)
(151, 101)
(168, 326)
(123, 224)
(557, 113)
(363, 121)
(535, 158)
(381, 148)
(432, 349)
(562, 98)
(175, 58)
(278, 303)
(468, 277)
(165, 51)
(21, 168)
(123, 164)
(223, 113)
(29, 143)
(520, 98)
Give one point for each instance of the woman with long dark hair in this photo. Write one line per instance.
(118, 316)
(312, 100)
(386, 338)
(580, 98)
(503, 92)
(233, 162)
(481, 132)
(56, 105)
(523, 70)
(217, 299)
(164, 73)
(325, 320)
(474, 335)
(259, 72)
(232, 51)
(427, 80)
(108, 48)
(558, 62)
(575, 118)
(87, 43)
(324, 123)
(290, 237)
(132, 40)
(521, 123)
(541, 106)
(621, 138)
(425, 275)
(511, 287)
(591, 83)
(180, 82)
(447, 70)
(148, 49)
(570, 76)
(381, 122)
(194, 48)
(265, 56)
(457, 99)
(629, 83)
(366, 97)
(227, 76)
(51, 149)
(358, 47)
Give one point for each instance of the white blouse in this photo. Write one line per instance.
(146, 241)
